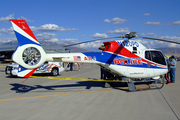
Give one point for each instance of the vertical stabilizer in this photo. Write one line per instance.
(29, 54)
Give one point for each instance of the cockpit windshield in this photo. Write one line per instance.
(155, 56)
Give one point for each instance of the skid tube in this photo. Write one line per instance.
(153, 84)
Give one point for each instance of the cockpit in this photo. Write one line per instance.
(155, 56)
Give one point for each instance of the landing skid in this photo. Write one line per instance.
(149, 84)
(140, 84)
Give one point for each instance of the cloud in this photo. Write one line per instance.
(119, 31)
(107, 20)
(92, 46)
(115, 20)
(173, 38)
(98, 35)
(157, 44)
(153, 23)
(51, 27)
(68, 41)
(11, 16)
(4, 40)
(146, 14)
(43, 28)
(147, 44)
(151, 44)
(23, 18)
(149, 34)
(6, 19)
(49, 37)
(7, 31)
(175, 23)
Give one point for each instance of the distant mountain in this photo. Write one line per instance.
(42, 43)
(76, 49)
(10, 43)
(50, 44)
(170, 51)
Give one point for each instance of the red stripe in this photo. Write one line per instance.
(25, 80)
(24, 26)
(30, 73)
(167, 78)
(123, 51)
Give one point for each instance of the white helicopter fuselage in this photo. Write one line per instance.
(124, 58)
(118, 66)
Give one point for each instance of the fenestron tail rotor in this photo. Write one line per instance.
(31, 56)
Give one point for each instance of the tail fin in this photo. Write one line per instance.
(23, 72)
(23, 32)
(29, 54)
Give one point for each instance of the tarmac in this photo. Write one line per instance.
(56, 99)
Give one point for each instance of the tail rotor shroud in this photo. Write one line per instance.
(31, 56)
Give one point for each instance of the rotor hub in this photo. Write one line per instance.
(130, 35)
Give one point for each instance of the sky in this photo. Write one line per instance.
(72, 21)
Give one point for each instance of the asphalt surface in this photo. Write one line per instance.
(56, 99)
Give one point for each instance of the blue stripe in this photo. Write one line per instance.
(21, 68)
(24, 40)
(108, 58)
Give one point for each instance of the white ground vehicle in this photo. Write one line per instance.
(54, 68)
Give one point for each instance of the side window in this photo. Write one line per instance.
(158, 57)
(147, 55)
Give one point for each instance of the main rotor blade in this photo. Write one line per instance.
(160, 40)
(91, 41)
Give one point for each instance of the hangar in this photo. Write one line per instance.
(7, 50)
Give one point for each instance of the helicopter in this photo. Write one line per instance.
(126, 59)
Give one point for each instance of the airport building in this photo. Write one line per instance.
(7, 50)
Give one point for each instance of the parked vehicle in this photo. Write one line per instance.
(53, 68)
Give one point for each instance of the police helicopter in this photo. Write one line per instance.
(126, 59)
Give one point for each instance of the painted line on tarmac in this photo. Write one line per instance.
(2, 66)
(88, 79)
(172, 83)
(80, 79)
(56, 95)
